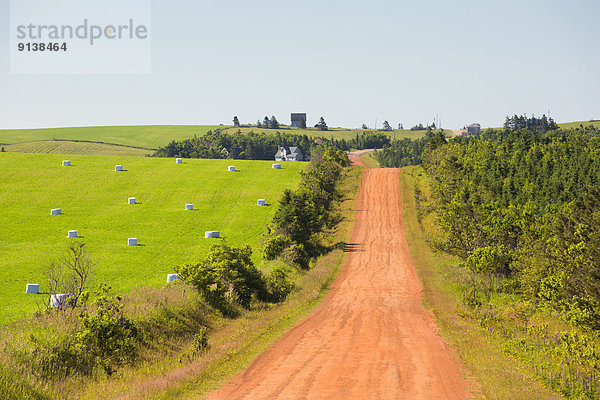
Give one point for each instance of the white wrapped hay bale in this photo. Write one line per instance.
(66, 163)
(276, 166)
(179, 161)
(118, 168)
(59, 300)
(32, 288)
(132, 242)
(172, 277)
(212, 234)
(189, 207)
(131, 200)
(261, 202)
(231, 168)
(56, 211)
(72, 234)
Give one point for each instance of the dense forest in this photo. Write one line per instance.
(520, 206)
(526, 205)
(263, 146)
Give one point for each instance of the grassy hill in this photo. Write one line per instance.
(73, 147)
(571, 125)
(93, 198)
(146, 136)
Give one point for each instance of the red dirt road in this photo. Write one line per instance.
(370, 338)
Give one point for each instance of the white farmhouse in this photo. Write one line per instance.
(291, 154)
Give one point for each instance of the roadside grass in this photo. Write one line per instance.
(499, 375)
(93, 198)
(169, 374)
(369, 160)
(76, 147)
(146, 136)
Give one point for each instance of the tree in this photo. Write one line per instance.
(258, 124)
(266, 122)
(69, 275)
(236, 121)
(386, 126)
(226, 276)
(364, 126)
(273, 123)
(400, 126)
(321, 125)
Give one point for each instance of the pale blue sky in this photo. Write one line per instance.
(350, 62)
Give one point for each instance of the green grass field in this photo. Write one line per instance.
(71, 147)
(93, 198)
(146, 136)
(571, 125)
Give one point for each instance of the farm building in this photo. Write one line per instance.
(298, 120)
(473, 129)
(291, 154)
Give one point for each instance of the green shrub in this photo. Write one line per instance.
(106, 337)
(278, 285)
(200, 344)
(104, 340)
(490, 259)
(296, 255)
(227, 276)
(274, 246)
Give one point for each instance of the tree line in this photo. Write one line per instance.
(263, 146)
(227, 278)
(521, 208)
(524, 204)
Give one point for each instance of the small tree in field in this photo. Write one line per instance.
(69, 275)
(321, 125)
(236, 121)
(386, 126)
